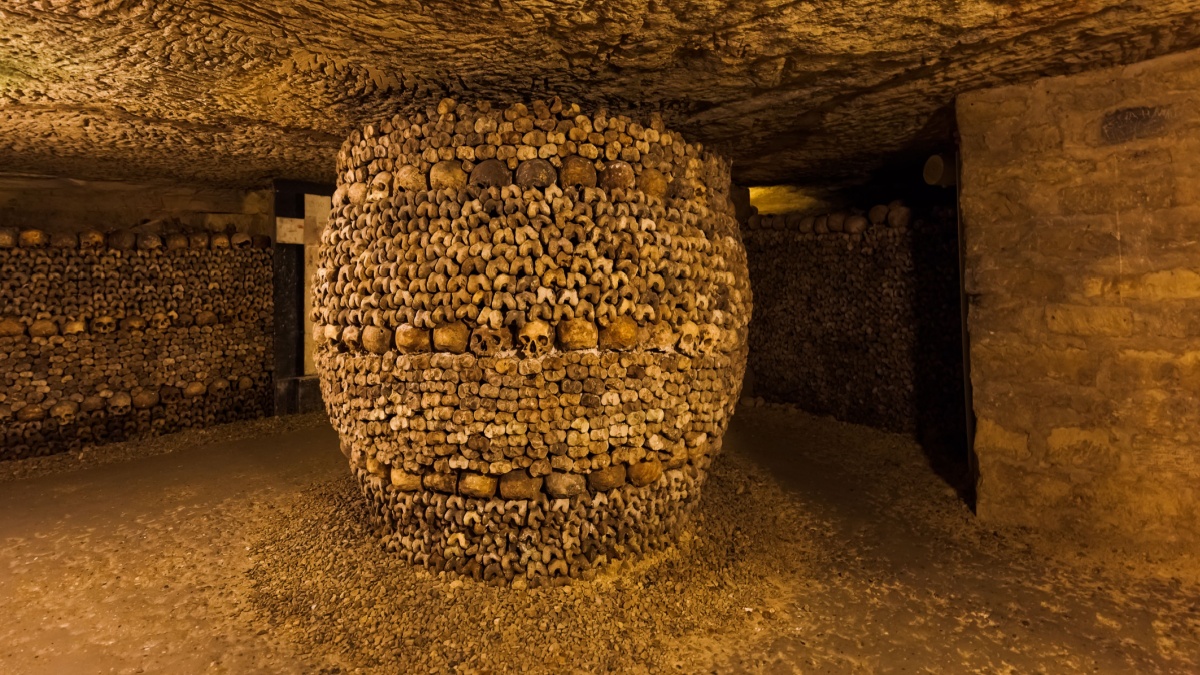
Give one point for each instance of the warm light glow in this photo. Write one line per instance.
(784, 199)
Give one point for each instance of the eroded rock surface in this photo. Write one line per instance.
(237, 92)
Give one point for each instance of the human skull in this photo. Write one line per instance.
(160, 321)
(452, 337)
(194, 389)
(122, 241)
(689, 338)
(11, 327)
(489, 342)
(616, 174)
(149, 242)
(659, 336)
(91, 239)
(31, 413)
(33, 239)
(220, 241)
(198, 240)
(535, 338)
(177, 241)
(411, 178)
(170, 394)
(898, 215)
(352, 337)
(104, 324)
(8, 237)
(120, 403)
(241, 240)
(409, 338)
(536, 173)
(653, 183)
(447, 174)
(381, 187)
(710, 338)
(74, 327)
(218, 386)
(621, 333)
(64, 240)
(206, 318)
(145, 398)
(491, 173)
(65, 412)
(92, 403)
(43, 328)
(577, 334)
(133, 323)
(578, 171)
(376, 339)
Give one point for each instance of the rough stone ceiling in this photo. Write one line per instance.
(817, 91)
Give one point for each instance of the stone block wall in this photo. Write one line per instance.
(102, 340)
(1081, 203)
(857, 316)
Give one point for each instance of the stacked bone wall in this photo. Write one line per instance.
(103, 339)
(857, 316)
(1080, 205)
(532, 328)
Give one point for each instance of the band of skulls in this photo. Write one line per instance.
(531, 329)
(109, 337)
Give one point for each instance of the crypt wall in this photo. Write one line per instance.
(857, 316)
(1080, 200)
(122, 315)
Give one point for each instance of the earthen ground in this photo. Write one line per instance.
(819, 547)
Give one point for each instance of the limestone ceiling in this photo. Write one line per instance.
(237, 92)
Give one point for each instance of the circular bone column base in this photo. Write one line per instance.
(586, 503)
(541, 540)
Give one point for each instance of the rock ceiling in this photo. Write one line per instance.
(237, 92)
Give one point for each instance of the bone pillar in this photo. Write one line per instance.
(532, 328)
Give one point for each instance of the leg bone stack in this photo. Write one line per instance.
(105, 338)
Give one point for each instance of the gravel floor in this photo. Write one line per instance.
(818, 547)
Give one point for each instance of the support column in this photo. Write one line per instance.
(532, 328)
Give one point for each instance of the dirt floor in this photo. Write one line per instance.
(818, 547)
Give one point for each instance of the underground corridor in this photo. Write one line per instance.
(599, 337)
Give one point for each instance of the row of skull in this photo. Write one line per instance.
(532, 339)
(122, 403)
(103, 325)
(529, 539)
(855, 221)
(459, 138)
(124, 240)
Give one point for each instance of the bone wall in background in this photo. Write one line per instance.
(533, 333)
(105, 338)
(857, 316)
